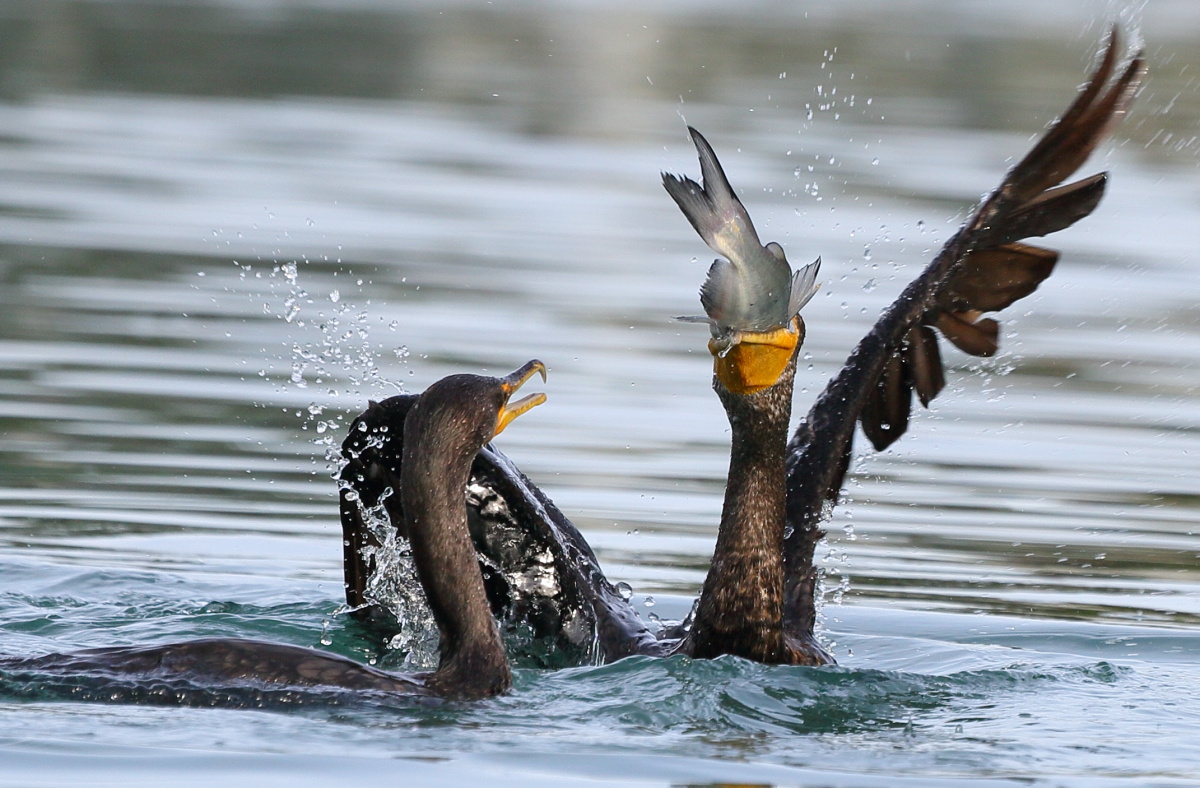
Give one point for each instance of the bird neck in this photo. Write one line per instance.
(472, 662)
(741, 605)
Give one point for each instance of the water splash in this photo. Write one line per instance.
(393, 586)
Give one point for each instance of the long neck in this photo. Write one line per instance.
(472, 660)
(741, 605)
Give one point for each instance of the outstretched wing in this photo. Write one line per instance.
(994, 269)
(984, 267)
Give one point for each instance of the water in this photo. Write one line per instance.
(413, 192)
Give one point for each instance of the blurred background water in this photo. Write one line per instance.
(225, 225)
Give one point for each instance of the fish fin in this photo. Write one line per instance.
(804, 287)
(713, 208)
(695, 204)
(719, 291)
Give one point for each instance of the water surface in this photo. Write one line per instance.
(224, 226)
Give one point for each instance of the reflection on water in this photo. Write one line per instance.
(224, 226)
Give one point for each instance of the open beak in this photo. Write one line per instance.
(509, 384)
(750, 361)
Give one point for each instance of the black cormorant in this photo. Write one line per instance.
(445, 428)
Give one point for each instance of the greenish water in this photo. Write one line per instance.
(224, 226)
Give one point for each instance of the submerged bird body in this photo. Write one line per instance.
(220, 662)
(444, 430)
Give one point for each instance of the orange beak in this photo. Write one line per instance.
(509, 384)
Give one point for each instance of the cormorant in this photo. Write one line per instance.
(445, 428)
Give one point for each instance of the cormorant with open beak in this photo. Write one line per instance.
(445, 429)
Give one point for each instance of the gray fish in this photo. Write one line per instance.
(754, 289)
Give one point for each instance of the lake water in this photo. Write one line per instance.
(225, 225)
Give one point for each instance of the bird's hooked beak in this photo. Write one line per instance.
(749, 361)
(509, 385)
